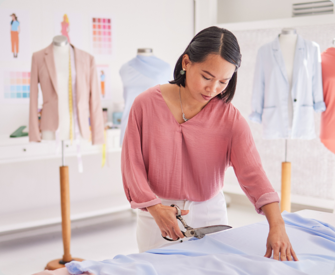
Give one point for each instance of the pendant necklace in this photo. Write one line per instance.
(181, 105)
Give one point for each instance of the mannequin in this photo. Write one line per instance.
(61, 51)
(139, 74)
(288, 41)
(327, 133)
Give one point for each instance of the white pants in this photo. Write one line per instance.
(205, 213)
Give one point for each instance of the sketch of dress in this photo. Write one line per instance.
(65, 27)
(14, 34)
(102, 83)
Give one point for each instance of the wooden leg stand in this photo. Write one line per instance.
(286, 187)
(66, 221)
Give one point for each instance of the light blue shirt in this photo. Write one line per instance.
(138, 75)
(15, 26)
(271, 91)
(236, 251)
(102, 77)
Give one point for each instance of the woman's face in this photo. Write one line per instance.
(13, 17)
(209, 78)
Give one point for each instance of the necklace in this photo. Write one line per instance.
(181, 105)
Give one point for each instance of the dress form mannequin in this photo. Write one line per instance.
(62, 55)
(139, 74)
(61, 51)
(288, 41)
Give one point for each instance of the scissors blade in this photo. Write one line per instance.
(202, 231)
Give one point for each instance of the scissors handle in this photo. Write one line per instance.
(172, 240)
(178, 216)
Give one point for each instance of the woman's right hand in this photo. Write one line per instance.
(165, 217)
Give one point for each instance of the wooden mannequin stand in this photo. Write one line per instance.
(285, 203)
(66, 220)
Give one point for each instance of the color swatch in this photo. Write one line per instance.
(102, 35)
(17, 85)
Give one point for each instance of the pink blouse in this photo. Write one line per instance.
(164, 159)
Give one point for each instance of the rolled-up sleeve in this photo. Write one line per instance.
(134, 174)
(245, 160)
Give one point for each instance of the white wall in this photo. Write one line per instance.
(165, 25)
(246, 10)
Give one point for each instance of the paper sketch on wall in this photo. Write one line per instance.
(102, 33)
(69, 24)
(65, 27)
(15, 35)
(102, 82)
(104, 78)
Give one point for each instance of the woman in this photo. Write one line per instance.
(179, 141)
(14, 34)
(65, 24)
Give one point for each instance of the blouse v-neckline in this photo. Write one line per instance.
(171, 114)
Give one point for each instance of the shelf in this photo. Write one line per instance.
(34, 218)
(20, 149)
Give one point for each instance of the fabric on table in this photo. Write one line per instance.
(138, 75)
(235, 251)
(327, 127)
(187, 161)
(210, 212)
(271, 91)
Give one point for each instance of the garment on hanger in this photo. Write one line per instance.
(88, 103)
(138, 75)
(271, 90)
(327, 129)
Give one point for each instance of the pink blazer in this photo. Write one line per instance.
(43, 71)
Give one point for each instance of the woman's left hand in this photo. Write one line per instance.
(279, 243)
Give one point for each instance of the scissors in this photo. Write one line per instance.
(198, 233)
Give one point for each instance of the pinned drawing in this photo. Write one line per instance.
(105, 83)
(70, 24)
(102, 83)
(14, 34)
(65, 27)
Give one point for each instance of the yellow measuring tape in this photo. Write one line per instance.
(104, 150)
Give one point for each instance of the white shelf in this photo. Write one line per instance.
(34, 218)
(20, 149)
(297, 199)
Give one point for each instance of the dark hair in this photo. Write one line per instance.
(15, 18)
(212, 40)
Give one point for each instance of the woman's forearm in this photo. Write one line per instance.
(273, 215)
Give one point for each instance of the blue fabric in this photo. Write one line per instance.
(15, 26)
(138, 75)
(271, 90)
(102, 77)
(236, 251)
